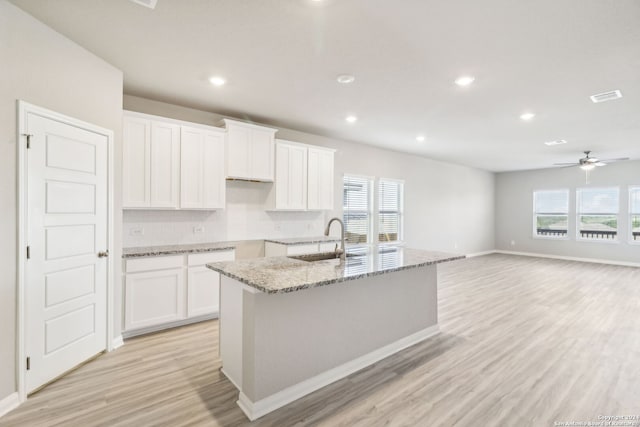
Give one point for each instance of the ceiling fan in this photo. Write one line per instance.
(587, 163)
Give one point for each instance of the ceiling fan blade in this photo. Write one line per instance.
(566, 164)
(619, 159)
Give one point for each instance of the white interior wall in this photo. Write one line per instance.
(514, 211)
(44, 68)
(447, 207)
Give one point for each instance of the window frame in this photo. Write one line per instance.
(535, 215)
(579, 238)
(631, 214)
(400, 240)
(370, 211)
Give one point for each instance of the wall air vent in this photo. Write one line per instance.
(151, 4)
(606, 96)
(557, 142)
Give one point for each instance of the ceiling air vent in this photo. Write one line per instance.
(606, 96)
(151, 4)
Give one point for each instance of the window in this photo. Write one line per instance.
(597, 211)
(389, 210)
(551, 213)
(634, 210)
(357, 209)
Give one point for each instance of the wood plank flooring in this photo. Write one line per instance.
(523, 342)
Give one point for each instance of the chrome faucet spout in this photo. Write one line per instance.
(340, 251)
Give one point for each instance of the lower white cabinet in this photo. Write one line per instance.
(166, 291)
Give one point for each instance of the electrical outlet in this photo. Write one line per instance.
(198, 229)
(277, 227)
(136, 231)
(455, 245)
(309, 226)
(513, 243)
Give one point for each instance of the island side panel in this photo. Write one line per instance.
(302, 334)
(231, 329)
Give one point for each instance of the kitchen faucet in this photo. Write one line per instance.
(340, 251)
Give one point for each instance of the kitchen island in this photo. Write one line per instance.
(291, 326)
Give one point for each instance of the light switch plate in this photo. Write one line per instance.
(136, 231)
(198, 229)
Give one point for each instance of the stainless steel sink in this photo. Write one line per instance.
(316, 257)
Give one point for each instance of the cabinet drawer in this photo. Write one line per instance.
(302, 249)
(154, 263)
(206, 258)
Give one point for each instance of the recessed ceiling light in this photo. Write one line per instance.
(217, 81)
(465, 80)
(420, 138)
(606, 96)
(351, 119)
(557, 142)
(345, 79)
(527, 116)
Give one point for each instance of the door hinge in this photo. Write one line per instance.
(28, 252)
(28, 363)
(28, 135)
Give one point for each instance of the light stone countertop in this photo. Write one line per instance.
(303, 240)
(283, 274)
(147, 251)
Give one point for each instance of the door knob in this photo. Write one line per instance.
(103, 254)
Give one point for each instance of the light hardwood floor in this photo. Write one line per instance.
(523, 342)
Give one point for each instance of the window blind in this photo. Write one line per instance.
(598, 200)
(552, 201)
(389, 210)
(357, 209)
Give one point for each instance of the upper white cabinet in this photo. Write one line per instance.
(250, 151)
(303, 178)
(151, 163)
(169, 164)
(202, 181)
(320, 179)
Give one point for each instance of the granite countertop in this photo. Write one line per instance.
(303, 240)
(284, 274)
(147, 251)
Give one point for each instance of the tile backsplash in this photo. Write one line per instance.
(244, 218)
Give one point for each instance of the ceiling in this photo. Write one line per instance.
(281, 59)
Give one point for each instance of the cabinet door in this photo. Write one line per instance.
(291, 177)
(261, 155)
(214, 187)
(165, 158)
(191, 173)
(136, 178)
(320, 175)
(203, 291)
(153, 298)
(238, 148)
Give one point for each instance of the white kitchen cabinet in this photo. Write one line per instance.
(291, 176)
(303, 178)
(166, 291)
(250, 151)
(202, 178)
(320, 179)
(153, 298)
(151, 163)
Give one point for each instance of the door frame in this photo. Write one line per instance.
(24, 108)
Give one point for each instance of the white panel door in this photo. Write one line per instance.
(291, 177)
(191, 164)
(320, 175)
(203, 291)
(261, 155)
(154, 298)
(238, 147)
(214, 185)
(65, 276)
(165, 164)
(136, 171)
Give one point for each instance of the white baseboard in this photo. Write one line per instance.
(255, 410)
(117, 342)
(156, 328)
(475, 254)
(571, 258)
(9, 403)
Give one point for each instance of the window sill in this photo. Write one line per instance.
(535, 236)
(607, 241)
